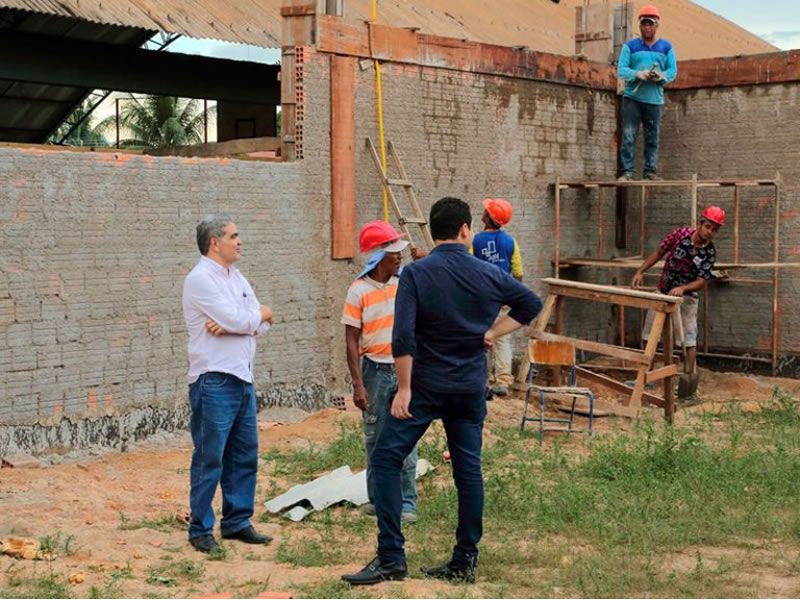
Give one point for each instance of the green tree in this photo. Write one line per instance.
(157, 121)
(87, 132)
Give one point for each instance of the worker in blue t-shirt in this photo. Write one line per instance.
(646, 65)
(497, 247)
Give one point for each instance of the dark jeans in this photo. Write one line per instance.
(225, 436)
(463, 416)
(649, 116)
(380, 381)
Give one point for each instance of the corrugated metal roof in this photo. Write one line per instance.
(539, 24)
(245, 21)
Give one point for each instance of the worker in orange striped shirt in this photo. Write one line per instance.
(368, 318)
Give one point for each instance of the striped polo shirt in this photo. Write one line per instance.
(370, 307)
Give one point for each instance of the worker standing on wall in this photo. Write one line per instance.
(368, 318)
(689, 257)
(646, 64)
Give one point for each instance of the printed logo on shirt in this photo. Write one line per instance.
(490, 253)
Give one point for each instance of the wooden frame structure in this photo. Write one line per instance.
(663, 305)
(631, 263)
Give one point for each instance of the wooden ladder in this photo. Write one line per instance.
(388, 182)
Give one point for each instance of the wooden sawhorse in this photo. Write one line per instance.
(663, 305)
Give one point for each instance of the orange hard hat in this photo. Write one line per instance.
(379, 234)
(499, 210)
(714, 214)
(649, 11)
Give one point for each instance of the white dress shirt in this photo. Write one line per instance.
(211, 291)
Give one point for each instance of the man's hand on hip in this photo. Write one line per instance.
(488, 339)
(402, 400)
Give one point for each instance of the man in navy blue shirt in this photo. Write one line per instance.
(445, 313)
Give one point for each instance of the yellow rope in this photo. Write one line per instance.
(381, 139)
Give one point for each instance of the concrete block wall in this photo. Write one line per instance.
(744, 132)
(96, 249)
(475, 136)
(97, 244)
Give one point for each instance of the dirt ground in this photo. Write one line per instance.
(85, 498)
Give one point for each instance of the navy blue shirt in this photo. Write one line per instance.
(445, 304)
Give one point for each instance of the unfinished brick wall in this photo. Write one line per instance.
(741, 132)
(475, 136)
(97, 246)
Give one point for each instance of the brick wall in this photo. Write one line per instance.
(744, 132)
(475, 136)
(97, 245)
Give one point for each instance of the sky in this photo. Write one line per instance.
(776, 21)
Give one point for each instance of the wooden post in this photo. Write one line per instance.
(736, 204)
(642, 209)
(694, 200)
(775, 257)
(669, 389)
(343, 157)
(558, 227)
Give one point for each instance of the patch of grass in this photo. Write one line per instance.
(306, 463)
(614, 518)
(164, 524)
(112, 587)
(312, 552)
(171, 573)
(50, 585)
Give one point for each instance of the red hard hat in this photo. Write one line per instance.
(376, 234)
(649, 11)
(499, 210)
(714, 214)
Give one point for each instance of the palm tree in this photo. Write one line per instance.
(157, 121)
(87, 133)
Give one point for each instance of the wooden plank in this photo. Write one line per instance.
(221, 149)
(661, 373)
(615, 263)
(549, 352)
(612, 289)
(635, 356)
(543, 318)
(343, 157)
(767, 68)
(298, 11)
(617, 386)
(401, 45)
(662, 302)
(669, 390)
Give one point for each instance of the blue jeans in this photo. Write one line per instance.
(649, 116)
(463, 416)
(225, 436)
(380, 380)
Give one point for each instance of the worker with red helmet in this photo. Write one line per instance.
(368, 318)
(496, 246)
(646, 64)
(689, 257)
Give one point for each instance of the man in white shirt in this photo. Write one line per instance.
(222, 316)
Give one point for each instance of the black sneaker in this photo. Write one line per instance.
(377, 571)
(652, 176)
(449, 572)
